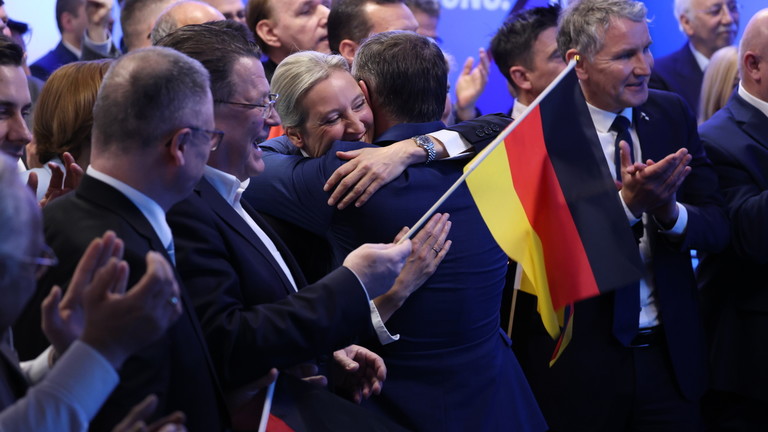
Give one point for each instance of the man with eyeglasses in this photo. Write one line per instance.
(151, 138)
(234, 264)
(709, 25)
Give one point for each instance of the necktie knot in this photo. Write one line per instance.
(620, 124)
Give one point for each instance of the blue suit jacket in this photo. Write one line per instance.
(679, 73)
(57, 57)
(733, 282)
(452, 369)
(573, 393)
(231, 276)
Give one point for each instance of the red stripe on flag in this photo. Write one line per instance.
(567, 265)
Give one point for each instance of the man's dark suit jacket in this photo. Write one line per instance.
(733, 282)
(57, 57)
(679, 73)
(231, 276)
(452, 369)
(176, 367)
(573, 393)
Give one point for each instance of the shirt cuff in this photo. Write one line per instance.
(682, 222)
(378, 324)
(454, 143)
(85, 377)
(36, 369)
(630, 217)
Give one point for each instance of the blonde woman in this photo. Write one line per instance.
(720, 79)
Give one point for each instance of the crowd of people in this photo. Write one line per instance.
(211, 215)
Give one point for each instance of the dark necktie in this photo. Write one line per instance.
(620, 125)
(626, 308)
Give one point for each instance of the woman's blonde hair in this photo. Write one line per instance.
(295, 76)
(720, 78)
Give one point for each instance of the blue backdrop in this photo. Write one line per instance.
(466, 25)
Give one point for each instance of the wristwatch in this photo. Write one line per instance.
(424, 142)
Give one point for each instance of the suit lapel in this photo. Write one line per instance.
(293, 265)
(750, 119)
(230, 217)
(650, 133)
(102, 194)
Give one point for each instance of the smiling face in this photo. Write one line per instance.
(617, 76)
(711, 24)
(244, 127)
(335, 110)
(15, 104)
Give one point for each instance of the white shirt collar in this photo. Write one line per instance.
(73, 49)
(604, 119)
(701, 59)
(148, 207)
(518, 109)
(752, 100)
(227, 185)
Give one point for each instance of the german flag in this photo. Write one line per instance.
(549, 200)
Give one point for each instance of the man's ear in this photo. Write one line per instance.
(266, 31)
(519, 76)
(66, 21)
(295, 136)
(581, 72)
(347, 49)
(366, 92)
(685, 24)
(177, 146)
(751, 65)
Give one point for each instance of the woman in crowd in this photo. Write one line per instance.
(720, 79)
(63, 119)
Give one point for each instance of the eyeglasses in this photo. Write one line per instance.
(46, 259)
(266, 109)
(215, 136)
(717, 9)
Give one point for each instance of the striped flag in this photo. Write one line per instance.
(549, 200)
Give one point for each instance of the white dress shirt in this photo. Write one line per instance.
(602, 120)
(754, 101)
(148, 207)
(68, 398)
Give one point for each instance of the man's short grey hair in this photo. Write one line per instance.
(295, 76)
(682, 7)
(16, 220)
(583, 23)
(145, 96)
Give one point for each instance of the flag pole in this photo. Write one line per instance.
(487, 151)
(267, 407)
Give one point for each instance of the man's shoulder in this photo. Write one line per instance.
(667, 63)
(51, 61)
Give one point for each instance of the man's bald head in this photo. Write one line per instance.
(144, 97)
(753, 56)
(181, 14)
